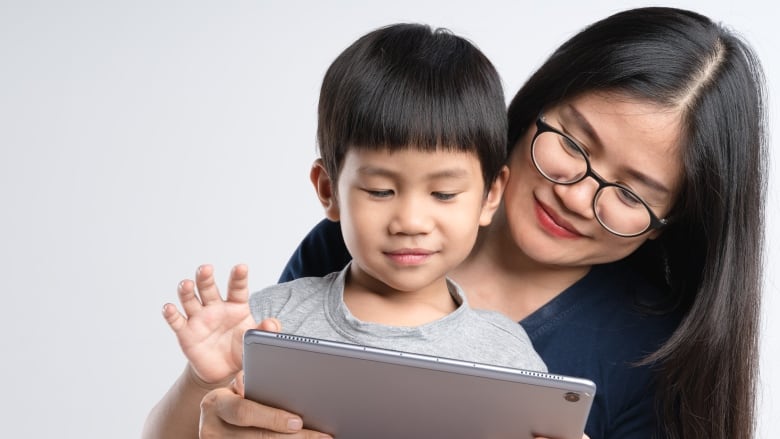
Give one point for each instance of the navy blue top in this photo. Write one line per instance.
(593, 329)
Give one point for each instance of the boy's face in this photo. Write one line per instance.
(409, 217)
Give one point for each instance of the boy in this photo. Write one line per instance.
(412, 134)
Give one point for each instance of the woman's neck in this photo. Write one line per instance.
(499, 276)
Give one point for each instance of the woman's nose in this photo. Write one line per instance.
(578, 197)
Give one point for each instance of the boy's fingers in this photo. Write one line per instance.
(271, 325)
(189, 301)
(174, 318)
(207, 288)
(238, 285)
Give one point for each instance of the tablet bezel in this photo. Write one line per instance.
(355, 392)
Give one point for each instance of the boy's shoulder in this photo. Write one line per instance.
(505, 338)
(272, 299)
(500, 327)
(497, 338)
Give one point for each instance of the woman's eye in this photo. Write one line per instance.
(569, 146)
(443, 196)
(380, 193)
(628, 197)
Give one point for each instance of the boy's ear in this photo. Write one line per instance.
(325, 189)
(493, 197)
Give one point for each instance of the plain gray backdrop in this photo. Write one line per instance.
(139, 139)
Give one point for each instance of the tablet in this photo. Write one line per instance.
(359, 392)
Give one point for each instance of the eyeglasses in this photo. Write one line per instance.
(562, 160)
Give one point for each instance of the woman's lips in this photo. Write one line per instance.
(554, 224)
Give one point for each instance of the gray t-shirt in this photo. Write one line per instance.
(314, 307)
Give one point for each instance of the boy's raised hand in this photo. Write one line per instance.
(211, 334)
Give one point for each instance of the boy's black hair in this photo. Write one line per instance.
(409, 86)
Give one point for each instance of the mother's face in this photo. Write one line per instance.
(627, 141)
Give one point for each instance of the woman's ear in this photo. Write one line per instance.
(325, 188)
(493, 197)
(654, 234)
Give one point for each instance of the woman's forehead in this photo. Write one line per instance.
(629, 133)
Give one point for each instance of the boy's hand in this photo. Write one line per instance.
(211, 334)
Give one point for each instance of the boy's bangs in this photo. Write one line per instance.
(423, 120)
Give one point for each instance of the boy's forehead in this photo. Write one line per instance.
(373, 160)
(422, 149)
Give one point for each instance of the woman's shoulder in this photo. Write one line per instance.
(321, 251)
(613, 301)
(601, 328)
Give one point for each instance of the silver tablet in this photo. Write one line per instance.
(359, 392)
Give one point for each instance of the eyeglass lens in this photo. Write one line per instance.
(617, 209)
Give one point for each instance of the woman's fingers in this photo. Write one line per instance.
(237, 385)
(223, 410)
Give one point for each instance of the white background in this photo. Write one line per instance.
(139, 139)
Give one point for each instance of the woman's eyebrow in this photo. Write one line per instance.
(649, 181)
(643, 178)
(584, 124)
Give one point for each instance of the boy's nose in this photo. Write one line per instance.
(410, 218)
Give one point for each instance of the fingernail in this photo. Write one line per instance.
(295, 424)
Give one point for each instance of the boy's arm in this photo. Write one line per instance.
(177, 414)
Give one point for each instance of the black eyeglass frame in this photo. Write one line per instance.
(544, 127)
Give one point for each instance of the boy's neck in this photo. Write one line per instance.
(372, 301)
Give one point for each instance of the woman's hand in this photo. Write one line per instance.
(211, 334)
(224, 413)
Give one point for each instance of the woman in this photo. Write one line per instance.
(629, 244)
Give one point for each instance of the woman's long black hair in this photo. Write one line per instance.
(711, 257)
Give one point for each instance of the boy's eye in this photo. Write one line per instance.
(443, 196)
(380, 193)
